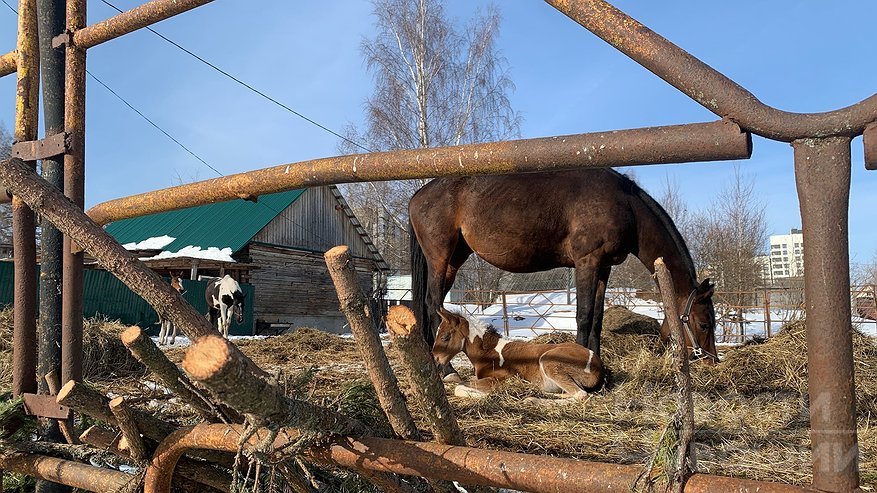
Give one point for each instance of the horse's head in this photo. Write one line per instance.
(450, 338)
(177, 282)
(698, 322)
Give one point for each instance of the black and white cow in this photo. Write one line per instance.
(225, 299)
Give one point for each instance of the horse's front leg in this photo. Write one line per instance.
(173, 331)
(599, 302)
(586, 293)
(223, 320)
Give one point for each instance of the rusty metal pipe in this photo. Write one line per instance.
(27, 100)
(7, 63)
(442, 462)
(74, 189)
(719, 140)
(869, 140)
(822, 172)
(75, 474)
(704, 84)
(132, 20)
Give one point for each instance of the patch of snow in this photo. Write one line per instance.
(192, 251)
(154, 243)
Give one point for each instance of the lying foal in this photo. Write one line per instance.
(566, 367)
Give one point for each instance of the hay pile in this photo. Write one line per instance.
(104, 358)
(751, 410)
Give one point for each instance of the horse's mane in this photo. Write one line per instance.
(664, 218)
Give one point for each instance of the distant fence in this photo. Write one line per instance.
(106, 296)
(740, 316)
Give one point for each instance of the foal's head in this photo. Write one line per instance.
(453, 332)
(177, 282)
(701, 320)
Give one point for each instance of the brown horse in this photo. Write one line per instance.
(567, 367)
(590, 219)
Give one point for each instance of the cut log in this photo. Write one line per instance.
(130, 429)
(220, 366)
(75, 474)
(683, 419)
(144, 349)
(82, 398)
(355, 307)
(426, 384)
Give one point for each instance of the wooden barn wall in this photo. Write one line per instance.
(313, 223)
(293, 287)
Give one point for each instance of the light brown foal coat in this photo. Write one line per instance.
(567, 367)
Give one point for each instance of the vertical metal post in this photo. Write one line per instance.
(822, 173)
(51, 22)
(74, 188)
(505, 315)
(767, 319)
(23, 227)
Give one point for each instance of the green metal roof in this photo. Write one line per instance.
(225, 224)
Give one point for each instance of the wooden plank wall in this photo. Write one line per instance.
(314, 223)
(291, 284)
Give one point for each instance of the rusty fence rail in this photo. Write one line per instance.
(740, 315)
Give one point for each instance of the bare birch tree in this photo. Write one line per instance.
(436, 84)
(731, 235)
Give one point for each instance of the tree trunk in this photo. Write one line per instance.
(130, 429)
(683, 419)
(355, 307)
(426, 384)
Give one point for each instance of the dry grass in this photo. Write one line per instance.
(104, 358)
(751, 409)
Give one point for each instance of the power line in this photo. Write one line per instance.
(248, 86)
(10, 7)
(135, 110)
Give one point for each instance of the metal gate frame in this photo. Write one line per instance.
(821, 143)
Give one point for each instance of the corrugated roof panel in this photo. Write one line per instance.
(225, 224)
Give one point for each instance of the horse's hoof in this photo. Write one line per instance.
(464, 391)
(452, 378)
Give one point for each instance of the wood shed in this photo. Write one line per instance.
(275, 244)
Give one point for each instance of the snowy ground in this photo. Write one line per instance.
(531, 314)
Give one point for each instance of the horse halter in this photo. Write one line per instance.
(697, 351)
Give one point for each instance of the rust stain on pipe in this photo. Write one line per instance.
(467, 465)
(132, 20)
(707, 86)
(719, 140)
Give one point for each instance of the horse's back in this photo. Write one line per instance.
(526, 222)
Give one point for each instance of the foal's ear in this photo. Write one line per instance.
(706, 289)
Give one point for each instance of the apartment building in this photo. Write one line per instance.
(787, 255)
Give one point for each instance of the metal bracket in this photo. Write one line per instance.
(42, 149)
(44, 406)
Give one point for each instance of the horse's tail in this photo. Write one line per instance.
(418, 286)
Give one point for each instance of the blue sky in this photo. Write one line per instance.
(794, 55)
